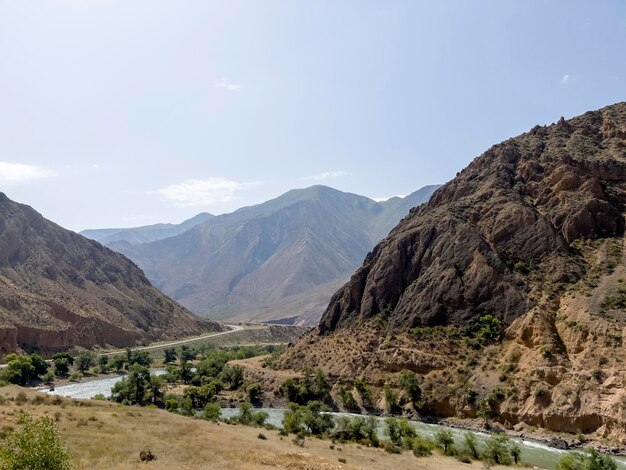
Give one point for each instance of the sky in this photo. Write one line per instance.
(117, 113)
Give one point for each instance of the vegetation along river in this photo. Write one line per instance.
(533, 452)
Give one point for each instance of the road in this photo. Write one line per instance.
(179, 342)
(233, 328)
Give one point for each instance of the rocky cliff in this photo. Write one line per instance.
(59, 290)
(505, 293)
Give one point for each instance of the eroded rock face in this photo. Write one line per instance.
(59, 290)
(518, 206)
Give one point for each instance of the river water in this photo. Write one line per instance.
(533, 452)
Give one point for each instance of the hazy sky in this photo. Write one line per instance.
(121, 113)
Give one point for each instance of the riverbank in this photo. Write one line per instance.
(102, 435)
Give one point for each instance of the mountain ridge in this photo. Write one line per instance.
(269, 261)
(59, 290)
(504, 293)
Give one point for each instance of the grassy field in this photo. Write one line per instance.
(102, 435)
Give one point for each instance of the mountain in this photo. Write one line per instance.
(278, 260)
(505, 293)
(145, 234)
(59, 290)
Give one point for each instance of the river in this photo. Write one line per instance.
(533, 452)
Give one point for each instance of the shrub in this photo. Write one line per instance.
(262, 436)
(422, 446)
(85, 360)
(35, 445)
(312, 419)
(497, 450)
(391, 399)
(364, 392)
(410, 383)
(470, 444)
(444, 439)
(254, 393)
(347, 399)
(211, 411)
(590, 460)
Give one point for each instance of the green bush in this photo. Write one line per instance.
(590, 460)
(309, 419)
(422, 446)
(211, 411)
(497, 450)
(35, 445)
(470, 445)
(410, 383)
(444, 439)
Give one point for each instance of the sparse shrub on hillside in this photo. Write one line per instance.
(34, 445)
(410, 383)
(391, 399)
(347, 399)
(364, 392)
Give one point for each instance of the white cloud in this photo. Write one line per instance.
(228, 86)
(327, 175)
(197, 193)
(18, 172)
(96, 166)
(565, 79)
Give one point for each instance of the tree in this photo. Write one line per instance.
(516, 452)
(471, 444)
(497, 449)
(187, 354)
(35, 445)
(40, 365)
(233, 375)
(364, 392)
(131, 390)
(64, 355)
(169, 355)
(410, 383)
(254, 393)
(391, 399)
(393, 430)
(118, 362)
(85, 360)
(211, 411)
(61, 366)
(140, 357)
(19, 370)
(444, 439)
(48, 378)
(154, 389)
(103, 363)
(590, 460)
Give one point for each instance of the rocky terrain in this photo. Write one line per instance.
(59, 290)
(280, 260)
(506, 293)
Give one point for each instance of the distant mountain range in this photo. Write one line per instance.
(59, 290)
(276, 261)
(145, 234)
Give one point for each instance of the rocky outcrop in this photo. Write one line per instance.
(519, 206)
(59, 290)
(531, 232)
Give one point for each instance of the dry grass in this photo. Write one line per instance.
(103, 435)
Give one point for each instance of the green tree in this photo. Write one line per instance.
(103, 363)
(444, 439)
(233, 376)
(187, 354)
(470, 444)
(85, 360)
(364, 392)
(393, 430)
(19, 370)
(61, 367)
(497, 449)
(516, 452)
(169, 355)
(254, 393)
(211, 411)
(35, 445)
(591, 459)
(118, 362)
(40, 365)
(410, 383)
(131, 390)
(391, 399)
